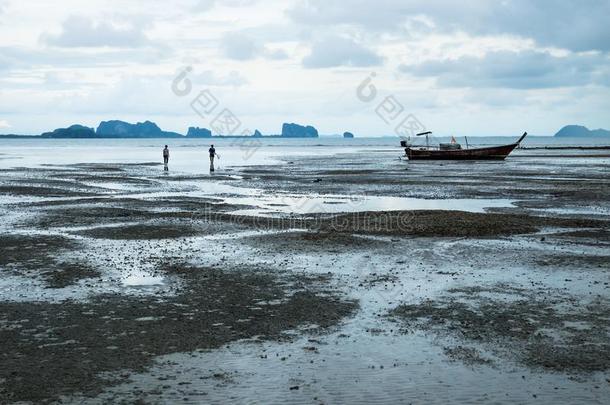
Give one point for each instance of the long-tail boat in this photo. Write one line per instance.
(454, 151)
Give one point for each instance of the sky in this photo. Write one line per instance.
(369, 67)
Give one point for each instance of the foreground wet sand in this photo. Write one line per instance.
(299, 282)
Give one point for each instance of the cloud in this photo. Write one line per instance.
(204, 5)
(566, 24)
(239, 46)
(26, 57)
(4, 124)
(84, 32)
(338, 51)
(6, 61)
(275, 54)
(242, 46)
(569, 24)
(209, 78)
(516, 70)
(359, 12)
(275, 58)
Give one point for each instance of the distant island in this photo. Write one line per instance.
(348, 135)
(579, 131)
(147, 129)
(298, 131)
(112, 129)
(196, 132)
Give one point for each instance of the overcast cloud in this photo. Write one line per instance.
(460, 67)
(337, 51)
(516, 70)
(83, 32)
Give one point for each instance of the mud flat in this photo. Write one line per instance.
(35, 255)
(51, 350)
(522, 324)
(119, 283)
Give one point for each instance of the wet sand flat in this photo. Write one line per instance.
(313, 279)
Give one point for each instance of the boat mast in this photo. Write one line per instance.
(425, 133)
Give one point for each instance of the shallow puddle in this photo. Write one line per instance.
(309, 204)
(141, 279)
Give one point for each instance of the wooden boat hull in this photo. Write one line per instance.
(489, 153)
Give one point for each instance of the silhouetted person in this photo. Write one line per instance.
(165, 158)
(212, 151)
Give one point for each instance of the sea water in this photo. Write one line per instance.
(191, 155)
